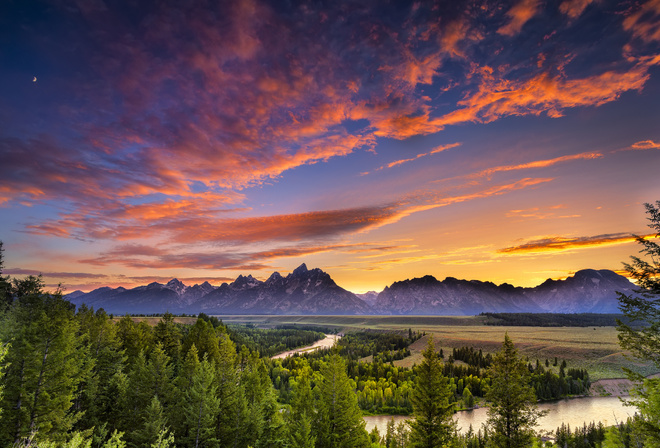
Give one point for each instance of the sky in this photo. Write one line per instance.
(377, 140)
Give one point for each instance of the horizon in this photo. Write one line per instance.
(188, 283)
(505, 142)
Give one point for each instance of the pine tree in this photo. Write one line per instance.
(513, 414)
(232, 402)
(165, 440)
(339, 422)
(46, 360)
(433, 425)
(6, 293)
(201, 406)
(154, 422)
(299, 421)
(641, 332)
(97, 396)
(168, 335)
(613, 438)
(206, 338)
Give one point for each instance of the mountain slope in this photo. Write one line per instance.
(312, 291)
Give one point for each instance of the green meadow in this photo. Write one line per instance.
(593, 348)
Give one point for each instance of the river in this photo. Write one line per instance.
(573, 411)
(327, 342)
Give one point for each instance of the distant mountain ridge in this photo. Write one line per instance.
(312, 291)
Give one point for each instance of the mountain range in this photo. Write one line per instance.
(312, 291)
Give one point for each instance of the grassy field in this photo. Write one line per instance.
(593, 348)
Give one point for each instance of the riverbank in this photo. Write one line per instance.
(327, 342)
(612, 387)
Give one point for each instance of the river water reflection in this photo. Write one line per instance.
(328, 342)
(574, 411)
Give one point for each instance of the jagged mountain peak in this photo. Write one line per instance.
(174, 282)
(245, 282)
(177, 286)
(275, 276)
(302, 269)
(313, 291)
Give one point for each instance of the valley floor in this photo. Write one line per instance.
(593, 348)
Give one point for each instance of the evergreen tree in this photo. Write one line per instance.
(154, 422)
(613, 438)
(643, 339)
(201, 406)
(135, 338)
(183, 385)
(468, 398)
(46, 360)
(206, 338)
(6, 293)
(167, 333)
(232, 402)
(433, 425)
(97, 396)
(513, 413)
(299, 422)
(115, 440)
(339, 422)
(165, 440)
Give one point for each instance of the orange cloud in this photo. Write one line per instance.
(496, 97)
(645, 22)
(538, 163)
(435, 150)
(563, 244)
(646, 144)
(574, 8)
(519, 14)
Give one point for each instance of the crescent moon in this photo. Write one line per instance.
(34, 79)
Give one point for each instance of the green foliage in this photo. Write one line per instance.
(165, 439)
(643, 342)
(301, 415)
(272, 341)
(587, 436)
(115, 440)
(46, 363)
(433, 425)
(339, 421)
(97, 393)
(168, 334)
(154, 422)
(513, 414)
(397, 436)
(201, 404)
(6, 293)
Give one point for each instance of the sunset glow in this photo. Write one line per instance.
(500, 141)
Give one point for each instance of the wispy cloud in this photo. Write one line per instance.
(646, 144)
(562, 244)
(518, 15)
(644, 23)
(435, 150)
